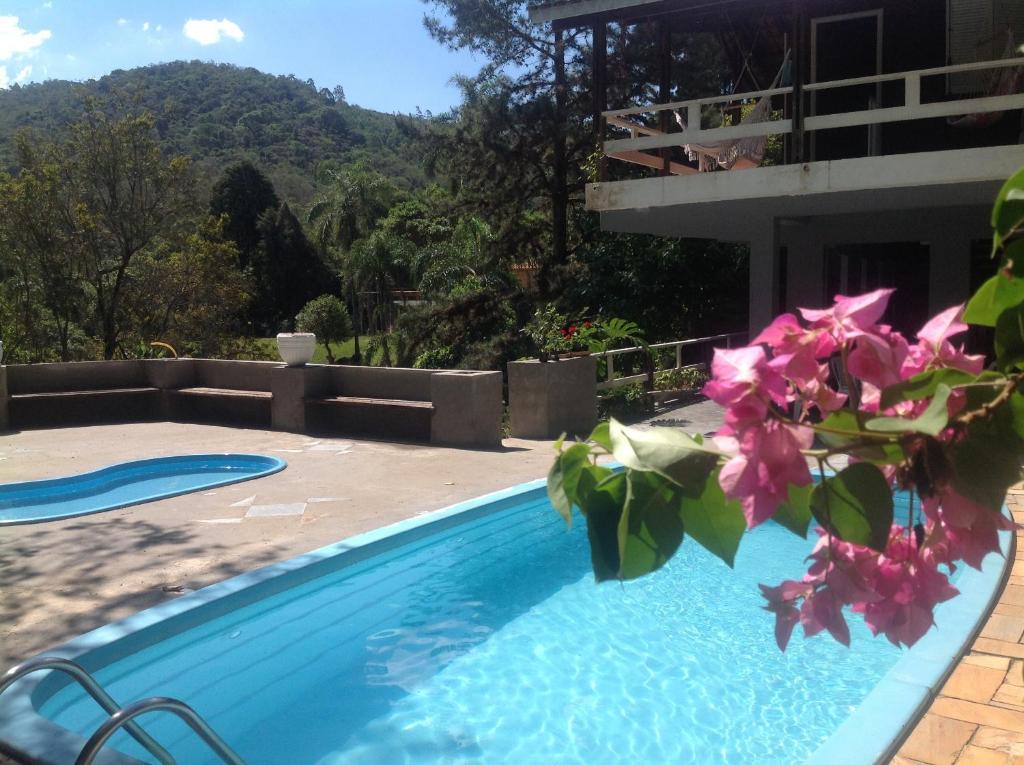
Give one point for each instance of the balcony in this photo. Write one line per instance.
(819, 171)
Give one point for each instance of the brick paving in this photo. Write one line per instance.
(978, 716)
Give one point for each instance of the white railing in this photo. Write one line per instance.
(611, 381)
(913, 108)
(652, 138)
(644, 138)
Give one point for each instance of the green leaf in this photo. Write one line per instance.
(666, 451)
(992, 298)
(650, 528)
(855, 505)
(600, 435)
(1008, 211)
(716, 523)
(1009, 338)
(795, 513)
(604, 509)
(564, 477)
(986, 459)
(931, 421)
(848, 422)
(923, 386)
(1017, 414)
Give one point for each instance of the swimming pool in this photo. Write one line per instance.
(127, 483)
(477, 635)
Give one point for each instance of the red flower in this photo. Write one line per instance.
(587, 324)
(572, 330)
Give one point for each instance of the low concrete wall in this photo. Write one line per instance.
(76, 375)
(381, 382)
(548, 399)
(465, 407)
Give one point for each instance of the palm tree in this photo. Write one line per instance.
(468, 258)
(352, 201)
(373, 267)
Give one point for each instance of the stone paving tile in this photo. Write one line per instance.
(999, 647)
(973, 683)
(1004, 627)
(982, 714)
(938, 740)
(975, 755)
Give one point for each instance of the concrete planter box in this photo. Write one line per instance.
(548, 399)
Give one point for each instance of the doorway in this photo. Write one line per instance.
(844, 47)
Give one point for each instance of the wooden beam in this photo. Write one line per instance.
(649, 160)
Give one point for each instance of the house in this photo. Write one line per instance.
(893, 122)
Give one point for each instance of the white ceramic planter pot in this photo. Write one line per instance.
(296, 348)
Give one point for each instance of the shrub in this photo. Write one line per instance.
(326, 317)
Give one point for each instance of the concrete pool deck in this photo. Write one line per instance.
(61, 578)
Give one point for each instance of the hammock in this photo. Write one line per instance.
(737, 153)
(1004, 82)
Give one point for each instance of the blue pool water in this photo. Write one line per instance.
(128, 483)
(488, 642)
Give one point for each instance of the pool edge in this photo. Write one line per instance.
(27, 735)
(896, 704)
(279, 464)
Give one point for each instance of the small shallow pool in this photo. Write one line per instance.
(127, 483)
(477, 635)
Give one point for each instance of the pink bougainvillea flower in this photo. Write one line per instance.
(824, 611)
(850, 315)
(744, 376)
(961, 529)
(768, 462)
(934, 349)
(785, 335)
(781, 602)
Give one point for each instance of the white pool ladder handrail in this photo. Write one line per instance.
(93, 688)
(125, 717)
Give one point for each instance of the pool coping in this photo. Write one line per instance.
(876, 729)
(892, 707)
(277, 466)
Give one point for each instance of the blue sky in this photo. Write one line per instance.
(377, 50)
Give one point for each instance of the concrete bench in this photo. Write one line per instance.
(231, 406)
(369, 417)
(50, 409)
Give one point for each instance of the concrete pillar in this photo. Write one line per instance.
(5, 418)
(805, 268)
(291, 386)
(468, 409)
(548, 399)
(764, 275)
(949, 268)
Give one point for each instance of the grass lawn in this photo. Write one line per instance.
(340, 350)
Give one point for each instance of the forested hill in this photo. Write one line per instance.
(219, 113)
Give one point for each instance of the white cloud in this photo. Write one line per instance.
(210, 31)
(48, 4)
(4, 82)
(15, 41)
(159, 27)
(24, 74)
(145, 26)
(122, 22)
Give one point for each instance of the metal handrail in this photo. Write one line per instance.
(93, 688)
(187, 714)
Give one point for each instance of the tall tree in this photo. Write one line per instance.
(513, 133)
(115, 195)
(286, 269)
(243, 193)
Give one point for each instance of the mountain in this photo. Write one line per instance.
(220, 113)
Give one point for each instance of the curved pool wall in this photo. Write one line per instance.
(885, 713)
(127, 483)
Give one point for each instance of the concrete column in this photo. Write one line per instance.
(805, 268)
(764, 275)
(5, 419)
(949, 268)
(548, 399)
(468, 409)
(291, 386)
